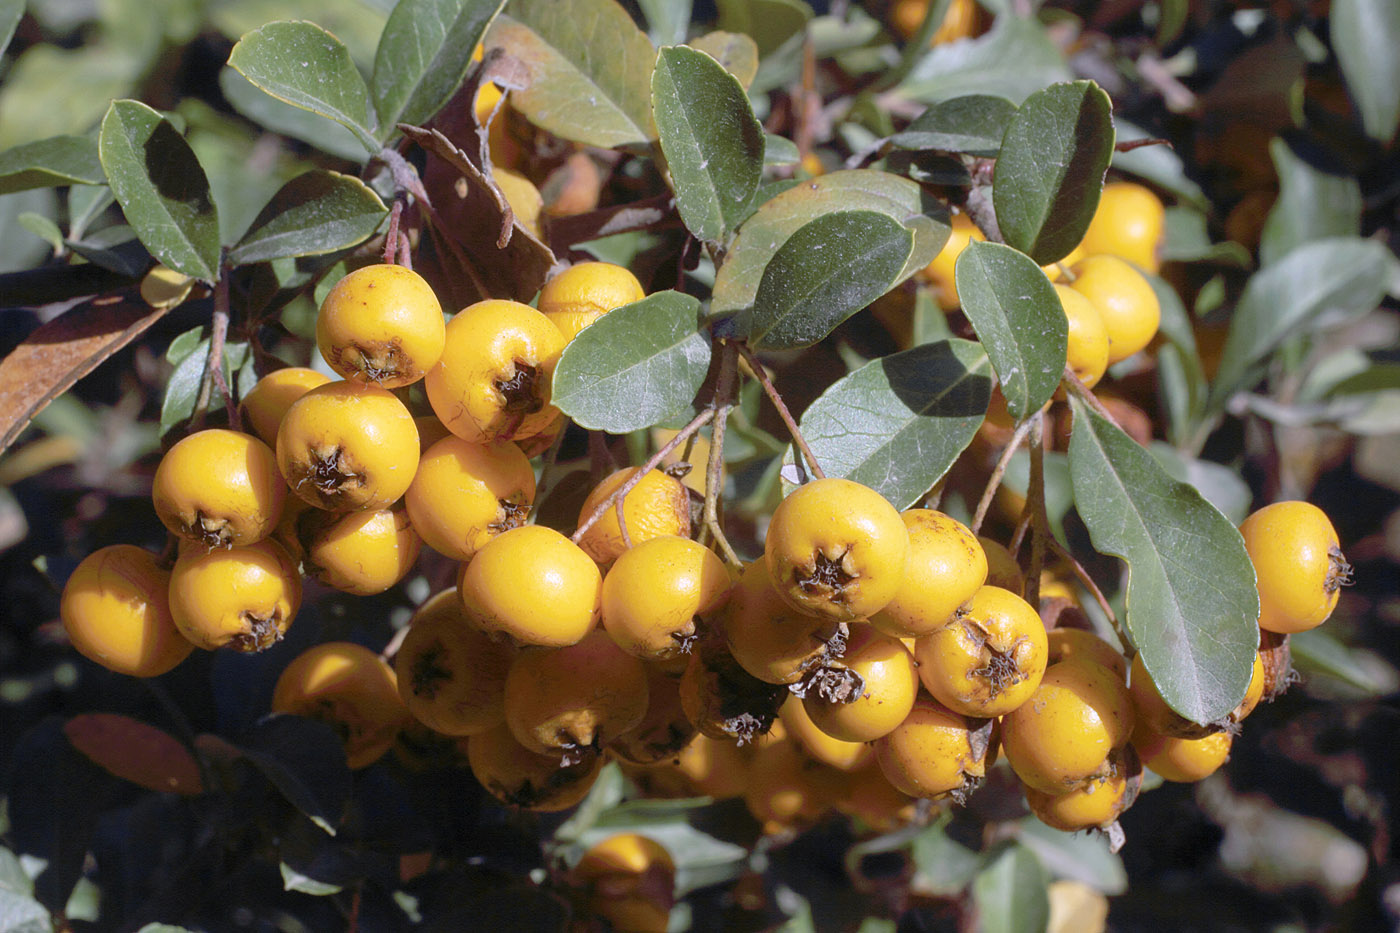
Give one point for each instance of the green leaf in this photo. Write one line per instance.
(1313, 203)
(42, 227)
(634, 366)
(735, 52)
(827, 270)
(316, 212)
(51, 163)
(1010, 892)
(1192, 607)
(713, 143)
(897, 424)
(305, 760)
(293, 880)
(764, 233)
(1158, 164)
(668, 19)
(943, 866)
(779, 150)
(281, 117)
(1343, 275)
(423, 55)
(1365, 35)
(189, 359)
(307, 67)
(85, 204)
(1082, 857)
(1219, 485)
(20, 913)
(11, 11)
(1019, 319)
(1187, 239)
(1316, 653)
(1013, 60)
(974, 125)
(18, 248)
(771, 23)
(162, 188)
(590, 69)
(1050, 172)
(1181, 376)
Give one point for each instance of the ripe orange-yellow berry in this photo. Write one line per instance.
(265, 404)
(244, 597)
(535, 585)
(116, 611)
(1298, 564)
(451, 673)
(381, 324)
(581, 294)
(656, 506)
(989, 659)
(464, 494)
(219, 488)
(350, 688)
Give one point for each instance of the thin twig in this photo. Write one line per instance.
(998, 472)
(1087, 396)
(1088, 583)
(714, 472)
(1035, 503)
(218, 335)
(695, 424)
(622, 522)
(405, 257)
(391, 238)
(782, 408)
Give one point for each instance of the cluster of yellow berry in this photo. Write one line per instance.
(870, 658)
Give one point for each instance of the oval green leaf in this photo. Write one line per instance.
(1013, 60)
(1050, 171)
(317, 212)
(281, 117)
(1192, 607)
(1019, 319)
(423, 55)
(307, 67)
(11, 11)
(589, 69)
(712, 141)
(736, 283)
(1365, 35)
(1010, 892)
(974, 124)
(897, 424)
(824, 273)
(1313, 203)
(161, 187)
(50, 163)
(735, 52)
(1337, 274)
(635, 365)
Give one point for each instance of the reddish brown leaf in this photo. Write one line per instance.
(136, 752)
(61, 352)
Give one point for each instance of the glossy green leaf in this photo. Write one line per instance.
(898, 423)
(1050, 171)
(423, 55)
(161, 187)
(1192, 608)
(1365, 35)
(50, 163)
(668, 20)
(826, 271)
(974, 125)
(1010, 892)
(1342, 275)
(712, 141)
(182, 388)
(771, 23)
(1018, 317)
(1218, 484)
(760, 237)
(281, 117)
(635, 365)
(11, 11)
(1013, 60)
(589, 65)
(307, 67)
(1315, 201)
(316, 212)
(943, 865)
(735, 52)
(43, 228)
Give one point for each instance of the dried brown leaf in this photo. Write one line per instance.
(61, 352)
